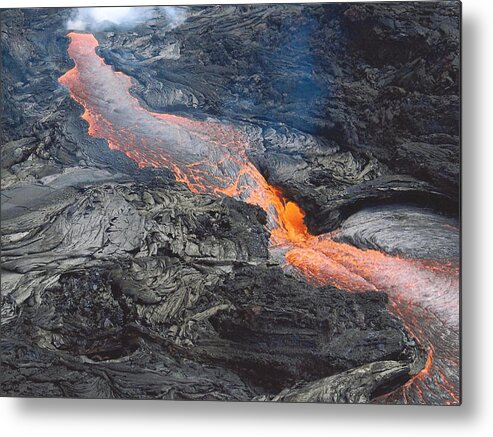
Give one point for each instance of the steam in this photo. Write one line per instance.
(105, 18)
(175, 15)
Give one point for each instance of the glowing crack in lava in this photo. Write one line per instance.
(210, 157)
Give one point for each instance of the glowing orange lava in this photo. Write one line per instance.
(211, 157)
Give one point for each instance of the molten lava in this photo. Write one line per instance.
(211, 157)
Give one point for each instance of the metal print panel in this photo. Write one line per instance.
(236, 202)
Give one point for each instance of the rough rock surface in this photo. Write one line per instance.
(351, 386)
(359, 104)
(119, 282)
(125, 271)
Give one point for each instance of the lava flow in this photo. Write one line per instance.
(211, 157)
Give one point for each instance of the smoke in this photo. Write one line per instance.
(105, 18)
(175, 15)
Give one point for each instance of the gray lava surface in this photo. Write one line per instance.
(118, 282)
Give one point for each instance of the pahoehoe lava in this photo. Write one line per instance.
(210, 157)
(256, 271)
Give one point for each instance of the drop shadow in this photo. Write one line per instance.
(470, 209)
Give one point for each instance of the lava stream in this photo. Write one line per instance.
(210, 157)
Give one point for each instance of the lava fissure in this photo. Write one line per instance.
(210, 157)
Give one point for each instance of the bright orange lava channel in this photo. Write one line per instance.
(211, 158)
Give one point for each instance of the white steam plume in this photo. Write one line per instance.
(175, 15)
(99, 19)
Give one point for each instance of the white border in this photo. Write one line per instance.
(19, 417)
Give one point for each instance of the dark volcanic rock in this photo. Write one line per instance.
(377, 81)
(351, 386)
(280, 331)
(117, 281)
(123, 271)
(86, 296)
